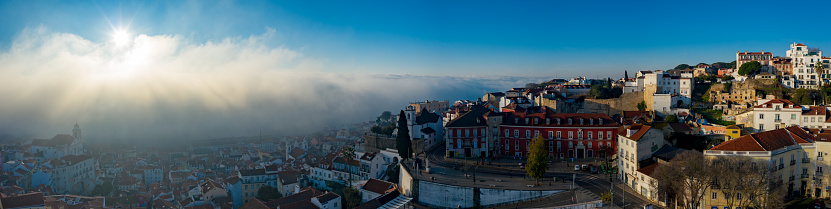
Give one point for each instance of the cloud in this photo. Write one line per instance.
(168, 87)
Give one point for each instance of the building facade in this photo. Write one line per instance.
(567, 135)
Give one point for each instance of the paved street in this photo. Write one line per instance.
(594, 183)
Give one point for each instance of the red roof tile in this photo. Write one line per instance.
(767, 141)
(779, 101)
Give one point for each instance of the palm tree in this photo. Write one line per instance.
(819, 68)
(349, 155)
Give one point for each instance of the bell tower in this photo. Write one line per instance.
(76, 133)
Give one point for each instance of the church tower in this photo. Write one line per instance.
(76, 133)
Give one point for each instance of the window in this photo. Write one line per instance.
(608, 144)
(570, 145)
(516, 133)
(761, 116)
(812, 119)
(467, 132)
(570, 135)
(608, 134)
(548, 121)
(761, 127)
(516, 144)
(580, 135)
(590, 145)
(738, 196)
(805, 119)
(590, 135)
(507, 133)
(507, 145)
(550, 135)
(550, 146)
(599, 135)
(569, 121)
(558, 135)
(527, 145)
(558, 146)
(776, 116)
(536, 134)
(527, 133)
(714, 196)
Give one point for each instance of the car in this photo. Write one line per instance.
(584, 167)
(522, 165)
(576, 167)
(593, 169)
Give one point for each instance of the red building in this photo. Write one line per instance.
(567, 135)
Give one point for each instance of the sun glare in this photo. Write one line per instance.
(121, 38)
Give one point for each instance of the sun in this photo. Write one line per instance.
(121, 37)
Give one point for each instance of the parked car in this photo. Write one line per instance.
(593, 169)
(522, 165)
(576, 167)
(584, 167)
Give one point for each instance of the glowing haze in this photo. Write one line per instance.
(169, 87)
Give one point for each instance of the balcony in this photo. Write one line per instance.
(781, 166)
(806, 160)
(818, 174)
(804, 175)
(793, 162)
(819, 158)
(777, 120)
(791, 178)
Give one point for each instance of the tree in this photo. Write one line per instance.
(682, 66)
(403, 143)
(626, 75)
(351, 197)
(531, 85)
(267, 193)
(537, 162)
(349, 155)
(642, 106)
(727, 78)
(686, 178)
(750, 68)
(742, 177)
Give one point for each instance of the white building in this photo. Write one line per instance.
(152, 174)
(60, 145)
(781, 113)
(667, 91)
(72, 174)
(425, 125)
(636, 143)
(804, 60)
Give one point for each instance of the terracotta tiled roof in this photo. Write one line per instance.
(800, 44)
(767, 141)
(825, 137)
(327, 197)
(786, 103)
(648, 170)
(642, 129)
(25, 200)
(297, 152)
(814, 110)
(254, 204)
(378, 186)
(305, 194)
(680, 127)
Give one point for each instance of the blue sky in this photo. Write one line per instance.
(537, 38)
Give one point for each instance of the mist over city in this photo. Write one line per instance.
(228, 104)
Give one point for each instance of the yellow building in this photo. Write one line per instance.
(733, 132)
(789, 151)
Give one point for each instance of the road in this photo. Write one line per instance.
(594, 183)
